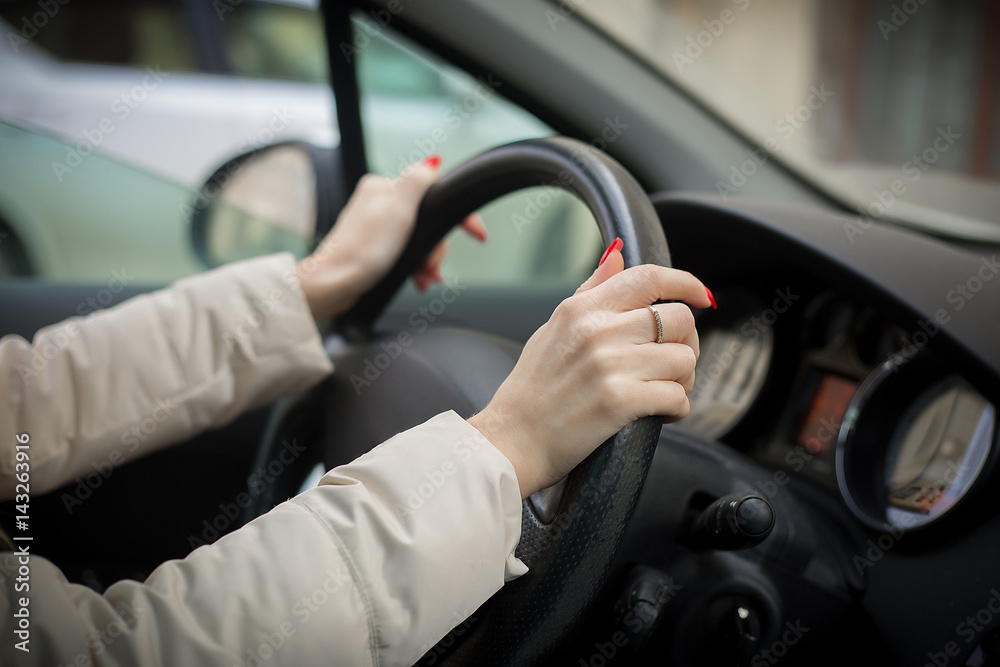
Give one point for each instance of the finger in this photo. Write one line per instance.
(436, 256)
(430, 271)
(421, 279)
(427, 276)
(473, 224)
(661, 398)
(611, 263)
(639, 326)
(642, 285)
(667, 361)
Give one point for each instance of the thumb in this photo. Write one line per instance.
(611, 264)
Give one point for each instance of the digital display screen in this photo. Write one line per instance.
(824, 413)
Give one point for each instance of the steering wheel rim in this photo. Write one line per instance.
(610, 192)
(568, 552)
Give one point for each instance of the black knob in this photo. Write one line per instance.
(736, 521)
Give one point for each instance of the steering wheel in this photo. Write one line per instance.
(570, 534)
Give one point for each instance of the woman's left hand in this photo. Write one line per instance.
(369, 237)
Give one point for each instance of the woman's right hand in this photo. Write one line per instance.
(594, 367)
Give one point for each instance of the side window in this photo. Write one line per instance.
(415, 104)
(114, 113)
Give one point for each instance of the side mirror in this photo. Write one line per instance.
(280, 198)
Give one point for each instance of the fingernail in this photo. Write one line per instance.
(615, 245)
(435, 274)
(433, 160)
(711, 298)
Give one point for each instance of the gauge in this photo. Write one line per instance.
(937, 451)
(915, 441)
(735, 355)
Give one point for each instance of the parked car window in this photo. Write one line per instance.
(415, 104)
(276, 40)
(109, 32)
(105, 221)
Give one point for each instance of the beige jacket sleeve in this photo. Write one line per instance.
(155, 370)
(372, 567)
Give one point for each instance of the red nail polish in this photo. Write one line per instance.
(711, 298)
(615, 245)
(433, 160)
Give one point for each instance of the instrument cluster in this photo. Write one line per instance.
(864, 408)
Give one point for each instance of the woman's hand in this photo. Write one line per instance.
(594, 367)
(368, 238)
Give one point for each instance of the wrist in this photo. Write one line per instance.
(505, 435)
(330, 285)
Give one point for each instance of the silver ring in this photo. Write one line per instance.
(659, 323)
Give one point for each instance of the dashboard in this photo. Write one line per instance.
(853, 381)
(866, 366)
(857, 404)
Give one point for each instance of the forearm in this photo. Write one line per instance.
(373, 566)
(156, 370)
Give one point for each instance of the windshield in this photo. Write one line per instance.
(891, 107)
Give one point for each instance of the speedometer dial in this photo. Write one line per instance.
(915, 441)
(937, 451)
(735, 356)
